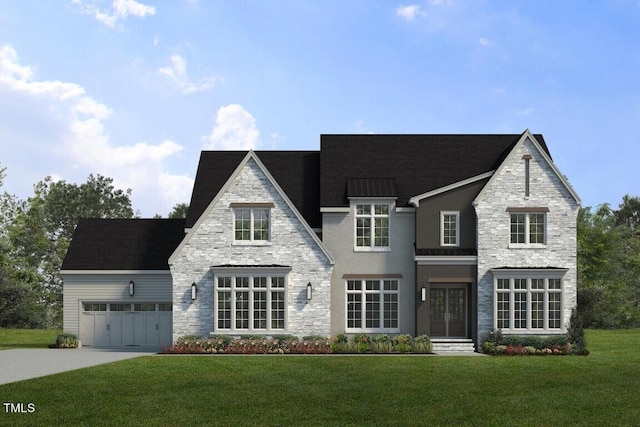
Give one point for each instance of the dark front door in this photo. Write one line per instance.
(448, 311)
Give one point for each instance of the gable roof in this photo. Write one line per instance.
(123, 244)
(541, 146)
(252, 155)
(419, 163)
(296, 172)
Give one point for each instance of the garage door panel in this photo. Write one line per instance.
(121, 328)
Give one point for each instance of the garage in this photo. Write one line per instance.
(117, 324)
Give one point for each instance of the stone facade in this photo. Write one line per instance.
(211, 243)
(506, 189)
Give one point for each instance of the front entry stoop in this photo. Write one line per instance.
(453, 345)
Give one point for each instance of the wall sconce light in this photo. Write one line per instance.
(309, 291)
(424, 293)
(194, 291)
(131, 288)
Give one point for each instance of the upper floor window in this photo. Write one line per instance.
(528, 227)
(252, 224)
(450, 228)
(372, 225)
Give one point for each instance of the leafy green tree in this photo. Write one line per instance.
(39, 230)
(179, 211)
(628, 213)
(608, 269)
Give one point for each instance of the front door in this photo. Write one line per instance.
(448, 311)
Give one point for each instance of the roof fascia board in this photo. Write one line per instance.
(415, 201)
(77, 272)
(215, 200)
(527, 134)
(250, 155)
(335, 210)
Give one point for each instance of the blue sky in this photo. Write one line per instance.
(135, 90)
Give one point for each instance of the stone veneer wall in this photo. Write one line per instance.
(508, 190)
(211, 244)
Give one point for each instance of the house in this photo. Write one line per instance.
(445, 235)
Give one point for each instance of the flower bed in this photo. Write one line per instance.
(289, 344)
(224, 344)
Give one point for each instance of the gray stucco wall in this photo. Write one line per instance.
(211, 243)
(507, 189)
(338, 236)
(428, 216)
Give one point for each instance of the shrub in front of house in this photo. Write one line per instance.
(66, 341)
(496, 343)
(290, 344)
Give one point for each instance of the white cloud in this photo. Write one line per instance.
(235, 129)
(408, 12)
(178, 73)
(82, 140)
(485, 42)
(120, 10)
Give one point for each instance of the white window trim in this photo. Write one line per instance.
(250, 274)
(527, 232)
(363, 302)
(528, 275)
(371, 203)
(450, 213)
(251, 241)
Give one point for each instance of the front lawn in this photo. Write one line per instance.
(27, 338)
(167, 390)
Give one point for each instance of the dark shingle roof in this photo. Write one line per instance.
(296, 172)
(419, 163)
(123, 244)
(446, 251)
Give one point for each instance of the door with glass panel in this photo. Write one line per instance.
(448, 311)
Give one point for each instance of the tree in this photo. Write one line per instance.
(628, 213)
(179, 211)
(608, 268)
(38, 232)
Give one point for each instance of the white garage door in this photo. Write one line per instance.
(116, 324)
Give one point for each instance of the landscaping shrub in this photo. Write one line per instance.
(402, 343)
(422, 344)
(499, 344)
(339, 344)
(66, 341)
(360, 343)
(381, 343)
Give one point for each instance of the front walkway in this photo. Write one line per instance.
(26, 363)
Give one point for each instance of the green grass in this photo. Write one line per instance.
(27, 338)
(599, 389)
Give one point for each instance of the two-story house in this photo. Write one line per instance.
(446, 235)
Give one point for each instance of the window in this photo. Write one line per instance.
(144, 307)
(450, 228)
(252, 224)
(372, 226)
(95, 307)
(372, 305)
(250, 302)
(530, 304)
(528, 228)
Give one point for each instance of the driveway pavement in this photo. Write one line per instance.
(27, 363)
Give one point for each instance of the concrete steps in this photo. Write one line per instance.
(448, 345)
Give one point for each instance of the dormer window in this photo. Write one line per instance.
(372, 226)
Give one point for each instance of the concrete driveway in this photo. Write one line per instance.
(27, 363)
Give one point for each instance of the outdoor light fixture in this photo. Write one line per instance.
(309, 291)
(194, 291)
(424, 293)
(131, 288)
